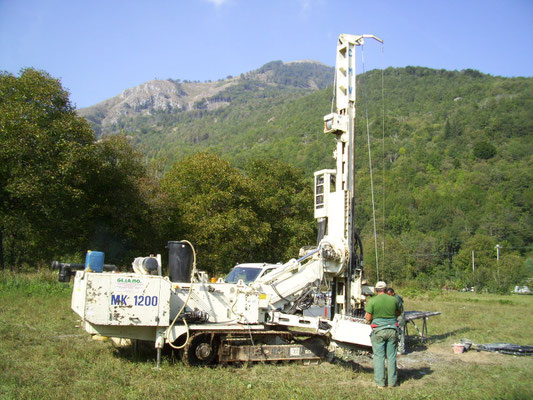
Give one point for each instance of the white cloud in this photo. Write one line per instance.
(307, 4)
(217, 2)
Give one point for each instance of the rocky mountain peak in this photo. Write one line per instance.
(174, 95)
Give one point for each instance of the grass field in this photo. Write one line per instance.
(43, 355)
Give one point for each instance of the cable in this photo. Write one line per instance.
(370, 168)
(278, 293)
(184, 304)
(383, 146)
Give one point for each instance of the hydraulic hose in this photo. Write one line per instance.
(184, 303)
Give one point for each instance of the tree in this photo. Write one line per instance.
(482, 272)
(398, 221)
(45, 151)
(125, 211)
(285, 200)
(484, 150)
(61, 192)
(213, 205)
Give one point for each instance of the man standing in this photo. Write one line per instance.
(401, 321)
(382, 311)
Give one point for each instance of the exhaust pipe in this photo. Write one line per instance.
(66, 269)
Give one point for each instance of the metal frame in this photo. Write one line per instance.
(411, 316)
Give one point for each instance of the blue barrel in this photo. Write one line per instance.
(94, 261)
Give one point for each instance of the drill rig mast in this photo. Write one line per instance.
(335, 189)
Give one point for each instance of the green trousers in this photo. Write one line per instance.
(385, 344)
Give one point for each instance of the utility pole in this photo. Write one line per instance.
(473, 266)
(498, 262)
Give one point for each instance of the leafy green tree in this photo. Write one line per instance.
(125, 210)
(62, 193)
(484, 150)
(393, 266)
(482, 271)
(45, 152)
(452, 129)
(285, 201)
(213, 205)
(398, 221)
(511, 271)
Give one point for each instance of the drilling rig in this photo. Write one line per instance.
(211, 322)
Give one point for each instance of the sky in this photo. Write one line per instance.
(99, 48)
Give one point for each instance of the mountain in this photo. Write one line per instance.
(276, 111)
(174, 96)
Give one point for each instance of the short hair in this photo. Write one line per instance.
(390, 290)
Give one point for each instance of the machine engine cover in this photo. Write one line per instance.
(122, 299)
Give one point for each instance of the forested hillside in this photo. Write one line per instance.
(454, 150)
(451, 154)
(458, 171)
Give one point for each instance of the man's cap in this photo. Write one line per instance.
(381, 285)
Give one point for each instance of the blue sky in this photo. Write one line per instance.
(100, 47)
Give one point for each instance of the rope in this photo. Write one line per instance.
(370, 168)
(383, 145)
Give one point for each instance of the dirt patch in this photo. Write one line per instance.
(436, 356)
(472, 356)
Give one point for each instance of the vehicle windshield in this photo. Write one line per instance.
(247, 274)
